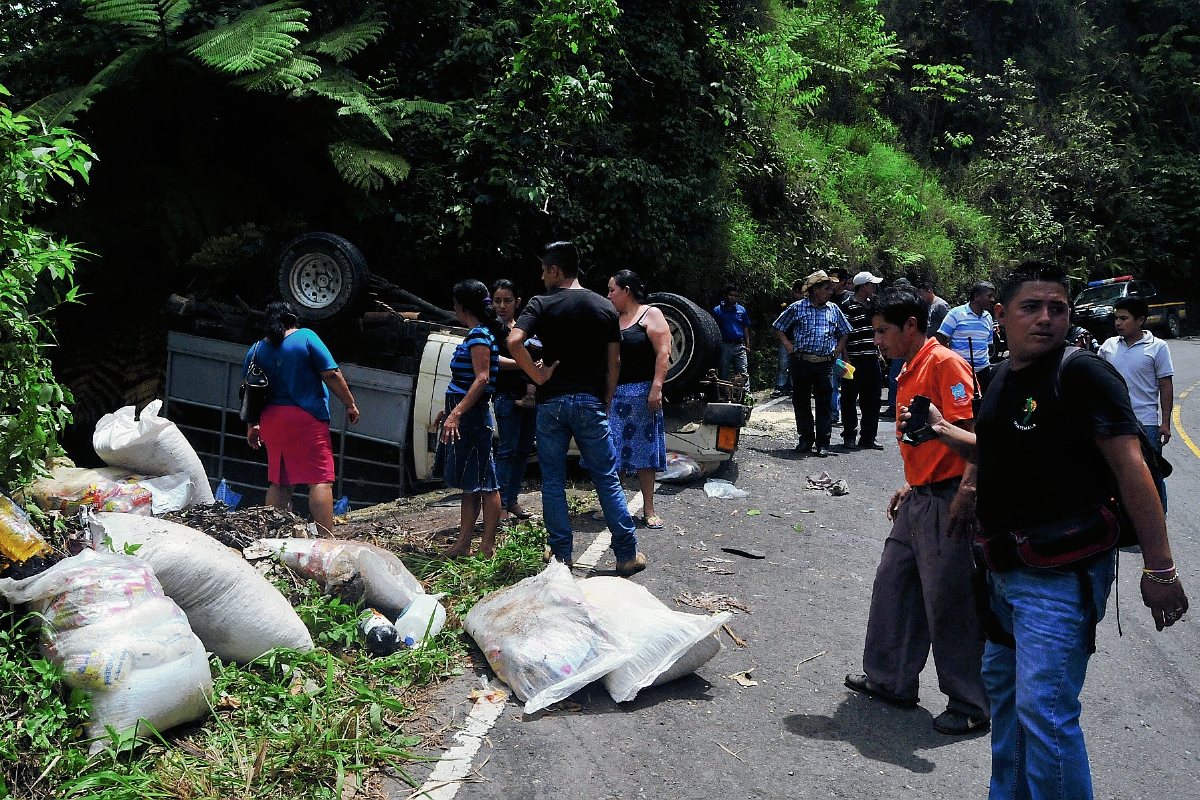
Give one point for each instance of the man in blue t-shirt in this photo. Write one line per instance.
(968, 330)
(734, 322)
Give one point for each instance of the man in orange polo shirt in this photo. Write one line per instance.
(923, 592)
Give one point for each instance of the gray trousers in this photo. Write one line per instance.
(922, 597)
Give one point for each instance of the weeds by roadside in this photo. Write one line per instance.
(288, 725)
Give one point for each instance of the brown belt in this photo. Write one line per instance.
(813, 359)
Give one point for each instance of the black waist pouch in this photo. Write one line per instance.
(1092, 530)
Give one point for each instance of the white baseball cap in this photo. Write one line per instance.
(866, 277)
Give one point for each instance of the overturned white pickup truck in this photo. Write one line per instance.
(397, 363)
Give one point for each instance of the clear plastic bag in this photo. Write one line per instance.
(117, 636)
(543, 639)
(723, 490)
(660, 639)
(679, 468)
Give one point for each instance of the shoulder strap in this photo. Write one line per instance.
(645, 311)
(1070, 353)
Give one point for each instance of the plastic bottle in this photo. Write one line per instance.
(846, 368)
(422, 620)
(19, 540)
(379, 635)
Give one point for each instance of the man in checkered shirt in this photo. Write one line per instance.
(819, 331)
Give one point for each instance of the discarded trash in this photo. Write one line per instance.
(798, 528)
(679, 468)
(741, 551)
(342, 506)
(665, 644)
(108, 625)
(234, 610)
(723, 490)
(739, 641)
(353, 571)
(19, 540)
(743, 678)
(378, 634)
(226, 496)
(488, 692)
(421, 621)
(710, 601)
(150, 445)
(713, 569)
(543, 639)
(823, 481)
(754, 512)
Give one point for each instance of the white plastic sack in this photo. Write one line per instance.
(234, 610)
(543, 639)
(152, 445)
(107, 623)
(723, 490)
(659, 638)
(679, 468)
(386, 583)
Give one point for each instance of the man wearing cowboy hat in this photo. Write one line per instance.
(819, 331)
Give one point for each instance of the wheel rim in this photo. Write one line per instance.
(315, 280)
(1173, 325)
(678, 331)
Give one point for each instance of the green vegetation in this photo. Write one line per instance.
(288, 725)
(36, 274)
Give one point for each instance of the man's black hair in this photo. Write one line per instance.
(564, 255)
(729, 287)
(897, 303)
(841, 274)
(1136, 306)
(1031, 272)
(980, 288)
(927, 286)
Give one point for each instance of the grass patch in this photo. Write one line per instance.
(288, 725)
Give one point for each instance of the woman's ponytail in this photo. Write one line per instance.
(473, 297)
(280, 317)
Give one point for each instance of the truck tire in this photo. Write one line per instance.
(1174, 329)
(324, 276)
(695, 341)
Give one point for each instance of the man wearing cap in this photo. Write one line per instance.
(581, 342)
(819, 331)
(968, 330)
(734, 323)
(864, 388)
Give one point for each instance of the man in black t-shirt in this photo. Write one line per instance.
(1045, 456)
(864, 389)
(581, 342)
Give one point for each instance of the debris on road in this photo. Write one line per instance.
(714, 569)
(710, 601)
(739, 641)
(723, 489)
(744, 552)
(810, 658)
(823, 482)
(743, 678)
(679, 468)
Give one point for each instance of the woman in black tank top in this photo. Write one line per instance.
(635, 420)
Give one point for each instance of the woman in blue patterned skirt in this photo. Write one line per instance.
(464, 453)
(635, 421)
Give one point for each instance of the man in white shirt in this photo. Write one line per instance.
(1144, 361)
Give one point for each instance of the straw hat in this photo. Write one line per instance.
(816, 279)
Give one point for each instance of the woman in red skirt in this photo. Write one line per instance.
(295, 424)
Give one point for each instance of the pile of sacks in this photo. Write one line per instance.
(550, 635)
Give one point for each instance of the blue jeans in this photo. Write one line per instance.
(1152, 435)
(734, 361)
(517, 428)
(835, 400)
(897, 364)
(583, 417)
(1037, 745)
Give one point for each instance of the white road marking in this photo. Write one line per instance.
(447, 775)
(587, 562)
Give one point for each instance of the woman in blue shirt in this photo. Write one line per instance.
(295, 423)
(464, 454)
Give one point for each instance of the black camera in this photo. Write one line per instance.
(916, 429)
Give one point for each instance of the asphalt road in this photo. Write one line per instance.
(799, 733)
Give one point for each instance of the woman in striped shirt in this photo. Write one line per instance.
(464, 454)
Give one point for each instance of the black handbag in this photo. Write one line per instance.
(253, 391)
(1092, 530)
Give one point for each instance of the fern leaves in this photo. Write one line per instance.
(147, 18)
(365, 168)
(254, 40)
(350, 40)
(290, 74)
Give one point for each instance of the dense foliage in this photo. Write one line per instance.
(36, 274)
(696, 141)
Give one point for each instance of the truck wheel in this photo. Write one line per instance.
(695, 340)
(323, 275)
(1174, 329)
